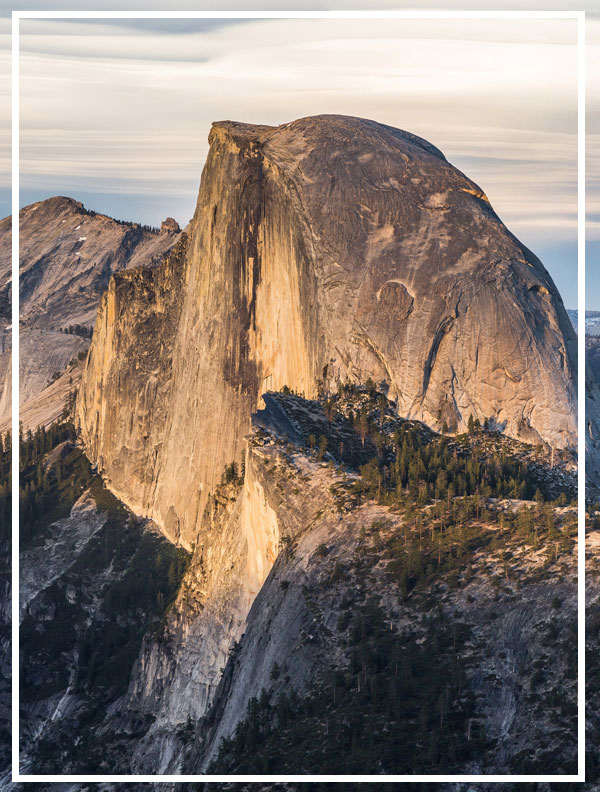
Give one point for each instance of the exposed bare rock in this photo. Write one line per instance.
(321, 251)
(592, 353)
(67, 538)
(133, 358)
(592, 401)
(67, 256)
(50, 404)
(170, 226)
(45, 354)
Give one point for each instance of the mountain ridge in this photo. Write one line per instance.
(67, 256)
(289, 282)
(349, 391)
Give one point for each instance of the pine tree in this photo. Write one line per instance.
(172, 575)
(322, 448)
(362, 425)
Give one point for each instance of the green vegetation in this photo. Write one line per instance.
(400, 705)
(149, 572)
(442, 541)
(79, 330)
(49, 482)
(233, 473)
(121, 586)
(402, 461)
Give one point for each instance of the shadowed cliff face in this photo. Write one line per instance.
(176, 676)
(330, 249)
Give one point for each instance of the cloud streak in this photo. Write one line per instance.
(121, 109)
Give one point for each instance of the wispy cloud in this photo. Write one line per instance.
(122, 108)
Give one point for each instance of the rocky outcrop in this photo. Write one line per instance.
(52, 403)
(293, 632)
(133, 358)
(327, 250)
(67, 256)
(170, 225)
(176, 676)
(67, 538)
(289, 548)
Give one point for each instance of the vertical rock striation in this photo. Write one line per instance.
(177, 674)
(321, 251)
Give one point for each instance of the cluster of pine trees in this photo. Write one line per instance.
(78, 330)
(402, 460)
(433, 469)
(135, 575)
(129, 223)
(40, 488)
(442, 539)
(400, 705)
(234, 473)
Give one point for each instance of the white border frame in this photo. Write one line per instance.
(17, 777)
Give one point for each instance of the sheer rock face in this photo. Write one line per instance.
(176, 676)
(130, 366)
(67, 257)
(325, 250)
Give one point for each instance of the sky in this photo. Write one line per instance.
(117, 113)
